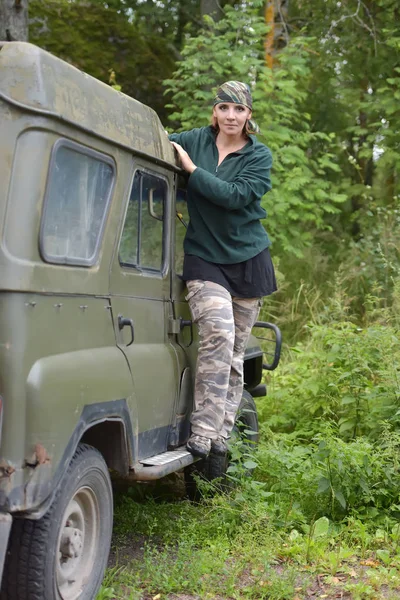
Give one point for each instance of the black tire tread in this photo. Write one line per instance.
(23, 573)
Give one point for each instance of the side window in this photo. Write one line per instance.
(182, 220)
(142, 241)
(76, 203)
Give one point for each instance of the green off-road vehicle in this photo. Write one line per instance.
(97, 349)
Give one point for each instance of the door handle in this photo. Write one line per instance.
(125, 322)
(182, 325)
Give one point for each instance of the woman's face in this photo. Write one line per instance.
(231, 117)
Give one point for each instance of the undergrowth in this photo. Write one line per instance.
(319, 517)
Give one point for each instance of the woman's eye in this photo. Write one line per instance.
(240, 108)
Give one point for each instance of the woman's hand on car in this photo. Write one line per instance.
(184, 157)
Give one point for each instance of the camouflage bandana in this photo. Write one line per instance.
(238, 93)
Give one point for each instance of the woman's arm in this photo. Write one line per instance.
(250, 184)
(184, 157)
(185, 138)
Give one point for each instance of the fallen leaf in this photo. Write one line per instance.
(157, 597)
(352, 573)
(370, 563)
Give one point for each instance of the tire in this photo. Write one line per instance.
(63, 555)
(215, 467)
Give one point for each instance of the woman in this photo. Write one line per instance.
(227, 266)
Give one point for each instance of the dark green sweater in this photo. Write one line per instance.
(224, 201)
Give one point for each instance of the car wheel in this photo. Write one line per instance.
(63, 555)
(215, 467)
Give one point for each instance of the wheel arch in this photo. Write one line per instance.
(107, 427)
(110, 439)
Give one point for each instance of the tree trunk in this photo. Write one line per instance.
(211, 8)
(14, 20)
(275, 14)
(269, 41)
(365, 161)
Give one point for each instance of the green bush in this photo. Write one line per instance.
(344, 375)
(330, 477)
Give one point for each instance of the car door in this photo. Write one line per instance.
(186, 337)
(141, 305)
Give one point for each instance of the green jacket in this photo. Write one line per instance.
(224, 201)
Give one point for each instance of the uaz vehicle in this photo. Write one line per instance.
(97, 349)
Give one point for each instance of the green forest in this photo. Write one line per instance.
(319, 516)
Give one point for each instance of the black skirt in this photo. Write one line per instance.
(252, 278)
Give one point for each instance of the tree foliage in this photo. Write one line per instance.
(139, 57)
(134, 42)
(329, 108)
(304, 158)
(355, 84)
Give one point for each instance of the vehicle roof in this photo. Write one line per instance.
(39, 81)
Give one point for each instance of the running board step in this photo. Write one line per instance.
(163, 464)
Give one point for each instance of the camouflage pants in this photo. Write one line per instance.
(224, 325)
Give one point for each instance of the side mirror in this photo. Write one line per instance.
(275, 341)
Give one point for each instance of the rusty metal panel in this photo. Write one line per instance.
(57, 355)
